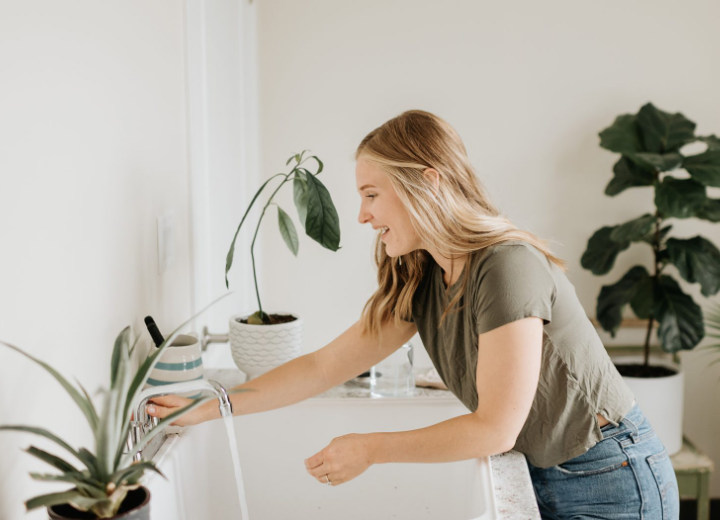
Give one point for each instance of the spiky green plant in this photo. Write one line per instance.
(101, 478)
(316, 212)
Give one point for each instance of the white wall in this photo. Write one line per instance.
(527, 84)
(94, 149)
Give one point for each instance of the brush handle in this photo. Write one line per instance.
(154, 331)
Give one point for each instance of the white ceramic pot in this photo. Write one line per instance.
(180, 362)
(660, 399)
(259, 348)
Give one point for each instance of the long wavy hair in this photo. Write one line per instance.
(455, 219)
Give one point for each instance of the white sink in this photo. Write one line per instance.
(273, 446)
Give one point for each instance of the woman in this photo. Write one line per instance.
(504, 328)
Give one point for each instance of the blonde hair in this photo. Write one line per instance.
(455, 218)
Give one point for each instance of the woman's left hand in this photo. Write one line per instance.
(342, 460)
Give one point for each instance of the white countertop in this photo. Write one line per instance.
(515, 499)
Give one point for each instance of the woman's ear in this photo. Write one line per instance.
(433, 176)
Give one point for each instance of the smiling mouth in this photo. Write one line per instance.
(383, 230)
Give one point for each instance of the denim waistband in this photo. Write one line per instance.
(634, 423)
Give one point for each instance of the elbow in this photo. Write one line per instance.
(499, 437)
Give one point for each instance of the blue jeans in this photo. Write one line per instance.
(627, 475)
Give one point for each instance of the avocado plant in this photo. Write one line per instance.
(653, 154)
(316, 212)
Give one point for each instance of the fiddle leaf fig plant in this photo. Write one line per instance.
(316, 212)
(654, 154)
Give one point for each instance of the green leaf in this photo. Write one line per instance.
(287, 231)
(322, 223)
(642, 301)
(680, 198)
(83, 403)
(634, 230)
(680, 318)
(601, 251)
(231, 251)
(710, 210)
(51, 459)
(613, 298)
(79, 480)
(697, 261)
(658, 162)
(712, 141)
(650, 238)
(662, 132)
(320, 164)
(52, 499)
(300, 195)
(43, 433)
(122, 343)
(621, 136)
(627, 175)
(134, 472)
(704, 167)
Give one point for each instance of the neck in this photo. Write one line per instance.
(452, 267)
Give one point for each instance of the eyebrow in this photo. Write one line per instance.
(365, 186)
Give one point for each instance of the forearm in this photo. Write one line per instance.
(287, 384)
(459, 438)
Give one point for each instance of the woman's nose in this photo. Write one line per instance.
(363, 216)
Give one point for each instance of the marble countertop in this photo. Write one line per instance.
(515, 499)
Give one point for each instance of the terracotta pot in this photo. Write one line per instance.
(136, 506)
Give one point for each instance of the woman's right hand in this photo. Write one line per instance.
(163, 406)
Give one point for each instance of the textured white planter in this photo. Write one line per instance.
(660, 399)
(259, 348)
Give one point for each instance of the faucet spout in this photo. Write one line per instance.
(143, 423)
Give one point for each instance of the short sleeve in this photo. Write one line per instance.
(513, 282)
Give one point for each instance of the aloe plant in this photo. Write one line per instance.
(650, 144)
(101, 478)
(315, 209)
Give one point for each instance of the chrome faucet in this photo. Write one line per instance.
(143, 424)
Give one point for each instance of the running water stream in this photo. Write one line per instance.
(232, 441)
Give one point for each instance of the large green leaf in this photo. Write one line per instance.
(287, 231)
(697, 260)
(663, 132)
(680, 198)
(613, 298)
(627, 175)
(634, 230)
(642, 301)
(621, 136)
(680, 318)
(658, 162)
(601, 251)
(704, 167)
(710, 210)
(322, 223)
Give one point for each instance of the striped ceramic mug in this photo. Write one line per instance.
(181, 361)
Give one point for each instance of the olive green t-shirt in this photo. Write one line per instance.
(509, 282)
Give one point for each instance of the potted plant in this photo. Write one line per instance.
(105, 481)
(653, 153)
(261, 341)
